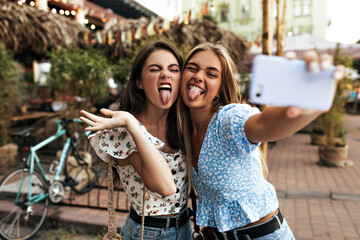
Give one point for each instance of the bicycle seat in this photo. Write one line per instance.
(23, 133)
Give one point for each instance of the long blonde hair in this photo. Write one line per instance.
(229, 93)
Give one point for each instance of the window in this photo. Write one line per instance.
(297, 8)
(306, 8)
(245, 11)
(224, 13)
(302, 7)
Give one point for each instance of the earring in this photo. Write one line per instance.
(217, 98)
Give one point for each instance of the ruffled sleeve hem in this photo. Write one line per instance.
(230, 215)
(118, 143)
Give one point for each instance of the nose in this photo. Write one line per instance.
(199, 76)
(164, 74)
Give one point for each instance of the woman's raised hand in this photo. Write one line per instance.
(315, 64)
(113, 119)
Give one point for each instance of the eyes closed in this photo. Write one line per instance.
(172, 68)
(210, 72)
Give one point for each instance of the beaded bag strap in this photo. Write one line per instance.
(111, 233)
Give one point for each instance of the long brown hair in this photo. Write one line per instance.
(133, 99)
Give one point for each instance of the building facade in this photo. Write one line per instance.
(244, 17)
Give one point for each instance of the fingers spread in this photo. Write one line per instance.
(91, 116)
(107, 112)
(87, 121)
(93, 129)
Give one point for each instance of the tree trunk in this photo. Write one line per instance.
(280, 28)
(267, 36)
(267, 30)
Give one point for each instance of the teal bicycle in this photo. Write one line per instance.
(25, 193)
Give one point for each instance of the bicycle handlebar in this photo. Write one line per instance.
(63, 122)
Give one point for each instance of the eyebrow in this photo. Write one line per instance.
(157, 65)
(209, 68)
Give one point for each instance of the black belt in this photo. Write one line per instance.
(253, 232)
(161, 222)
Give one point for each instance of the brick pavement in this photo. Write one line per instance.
(318, 202)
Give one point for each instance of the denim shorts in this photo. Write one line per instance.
(282, 233)
(132, 230)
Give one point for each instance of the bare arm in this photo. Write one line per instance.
(148, 162)
(274, 123)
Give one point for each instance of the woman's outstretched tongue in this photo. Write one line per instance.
(193, 93)
(165, 96)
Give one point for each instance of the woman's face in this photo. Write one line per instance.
(201, 80)
(160, 79)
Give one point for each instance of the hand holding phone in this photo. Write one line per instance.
(283, 82)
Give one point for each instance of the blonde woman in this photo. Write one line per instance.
(222, 138)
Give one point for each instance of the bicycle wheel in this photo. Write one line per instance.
(82, 166)
(20, 219)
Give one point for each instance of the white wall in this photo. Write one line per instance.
(167, 9)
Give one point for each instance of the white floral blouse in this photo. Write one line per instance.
(118, 143)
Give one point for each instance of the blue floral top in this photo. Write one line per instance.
(229, 183)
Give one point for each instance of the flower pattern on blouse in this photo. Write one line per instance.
(229, 183)
(118, 143)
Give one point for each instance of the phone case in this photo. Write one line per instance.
(283, 82)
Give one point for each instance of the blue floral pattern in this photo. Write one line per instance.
(229, 183)
(118, 143)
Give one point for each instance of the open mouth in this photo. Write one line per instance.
(194, 92)
(165, 93)
(195, 88)
(166, 87)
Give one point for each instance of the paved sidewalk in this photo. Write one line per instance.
(318, 202)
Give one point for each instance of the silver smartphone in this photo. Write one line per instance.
(283, 82)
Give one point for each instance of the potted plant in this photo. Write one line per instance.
(317, 133)
(78, 77)
(334, 152)
(9, 99)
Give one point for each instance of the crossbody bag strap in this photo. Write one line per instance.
(111, 233)
(143, 214)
